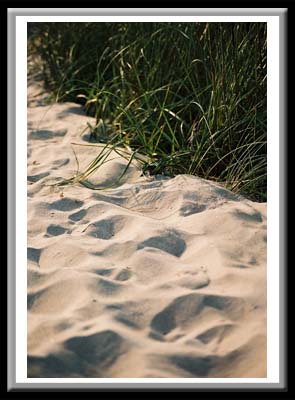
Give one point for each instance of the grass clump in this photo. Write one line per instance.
(191, 97)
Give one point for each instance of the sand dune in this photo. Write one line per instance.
(154, 277)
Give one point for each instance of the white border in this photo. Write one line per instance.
(145, 18)
(273, 196)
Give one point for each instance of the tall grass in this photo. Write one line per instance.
(191, 97)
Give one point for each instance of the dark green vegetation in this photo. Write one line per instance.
(189, 96)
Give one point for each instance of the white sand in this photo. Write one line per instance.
(152, 278)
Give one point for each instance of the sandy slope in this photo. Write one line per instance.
(153, 278)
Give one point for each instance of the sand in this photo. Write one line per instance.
(155, 277)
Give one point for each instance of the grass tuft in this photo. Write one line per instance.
(190, 97)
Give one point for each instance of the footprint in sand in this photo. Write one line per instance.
(78, 216)
(66, 204)
(124, 275)
(47, 134)
(186, 311)
(106, 228)
(171, 242)
(55, 230)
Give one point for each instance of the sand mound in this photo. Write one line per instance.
(154, 277)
